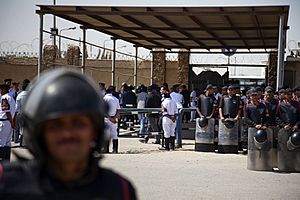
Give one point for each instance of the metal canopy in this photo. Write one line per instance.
(253, 27)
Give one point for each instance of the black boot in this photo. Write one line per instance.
(172, 138)
(157, 139)
(115, 146)
(106, 147)
(168, 142)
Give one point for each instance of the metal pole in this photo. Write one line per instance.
(135, 67)
(83, 51)
(40, 59)
(113, 64)
(280, 57)
(54, 25)
(179, 128)
(151, 69)
(59, 45)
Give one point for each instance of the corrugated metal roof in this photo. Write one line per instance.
(252, 27)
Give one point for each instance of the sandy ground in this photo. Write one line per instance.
(185, 174)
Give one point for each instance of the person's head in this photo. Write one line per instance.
(143, 88)
(209, 89)
(61, 124)
(230, 90)
(175, 88)
(281, 94)
(15, 85)
(124, 87)
(288, 94)
(4, 88)
(296, 92)
(237, 89)
(8, 81)
(110, 89)
(215, 89)
(25, 84)
(269, 93)
(259, 91)
(166, 85)
(164, 90)
(182, 87)
(254, 95)
(224, 90)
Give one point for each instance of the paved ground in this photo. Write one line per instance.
(185, 174)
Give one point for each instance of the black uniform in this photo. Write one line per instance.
(255, 114)
(31, 180)
(206, 104)
(129, 101)
(272, 111)
(288, 114)
(230, 106)
(153, 100)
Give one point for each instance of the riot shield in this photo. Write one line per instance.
(204, 136)
(260, 154)
(227, 138)
(288, 154)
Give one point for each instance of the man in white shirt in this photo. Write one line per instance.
(141, 101)
(7, 111)
(193, 100)
(111, 119)
(18, 137)
(175, 96)
(169, 111)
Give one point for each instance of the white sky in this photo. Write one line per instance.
(19, 25)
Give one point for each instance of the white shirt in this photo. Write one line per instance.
(113, 104)
(178, 98)
(12, 92)
(20, 101)
(141, 99)
(169, 107)
(193, 95)
(7, 105)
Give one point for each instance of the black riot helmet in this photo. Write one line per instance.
(202, 121)
(295, 138)
(55, 94)
(229, 123)
(260, 136)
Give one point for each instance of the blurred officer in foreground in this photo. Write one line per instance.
(63, 126)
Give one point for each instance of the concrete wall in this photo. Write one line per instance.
(292, 72)
(19, 68)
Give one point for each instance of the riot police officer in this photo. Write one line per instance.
(230, 105)
(260, 140)
(256, 111)
(288, 112)
(207, 103)
(230, 110)
(288, 118)
(63, 126)
(205, 125)
(272, 105)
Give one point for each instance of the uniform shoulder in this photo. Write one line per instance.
(15, 175)
(110, 174)
(115, 180)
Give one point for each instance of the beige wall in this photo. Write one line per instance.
(20, 68)
(294, 67)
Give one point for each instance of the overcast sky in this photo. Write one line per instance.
(19, 23)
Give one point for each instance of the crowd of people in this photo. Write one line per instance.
(260, 107)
